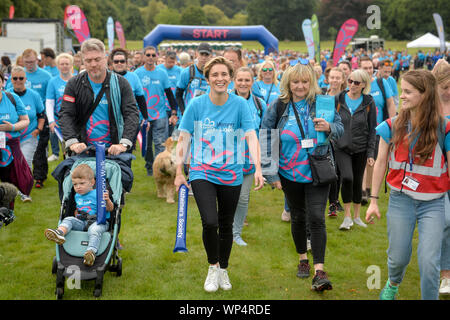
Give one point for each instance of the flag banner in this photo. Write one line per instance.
(110, 33)
(345, 34)
(121, 35)
(440, 30)
(11, 12)
(316, 36)
(308, 34)
(75, 20)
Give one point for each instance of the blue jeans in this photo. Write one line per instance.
(157, 135)
(445, 252)
(95, 231)
(54, 143)
(402, 215)
(28, 148)
(242, 206)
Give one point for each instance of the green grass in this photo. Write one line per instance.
(265, 269)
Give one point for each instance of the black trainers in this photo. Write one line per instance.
(303, 269)
(320, 281)
(332, 210)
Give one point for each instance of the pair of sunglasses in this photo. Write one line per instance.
(267, 69)
(301, 61)
(119, 61)
(151, 55)
(357, 83)
(388, 63)
(18, 78)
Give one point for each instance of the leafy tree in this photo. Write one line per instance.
(168, 16)
(213, 14)
(193, 16)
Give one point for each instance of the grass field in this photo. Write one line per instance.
(265, 269)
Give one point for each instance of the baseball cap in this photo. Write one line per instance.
(204, 47)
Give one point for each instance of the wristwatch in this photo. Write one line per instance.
(125, 145)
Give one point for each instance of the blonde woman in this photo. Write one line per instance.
(266, 86)
(357, 146)
(292, 172)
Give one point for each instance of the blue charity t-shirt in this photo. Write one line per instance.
(55, 91)
(38, 81)
(257, 116)
(294, 162)
(136, 86)
(33, 105)
(174, 75)
(97, 126)
(353, 104)
(52, 70)
(11, 114)
(154, 83)
(217, 138)
(88, 203)
(377, 95)
(197, 87)
(267, 92)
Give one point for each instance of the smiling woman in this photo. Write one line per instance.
(215, 174)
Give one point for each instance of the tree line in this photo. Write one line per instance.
(400, 19)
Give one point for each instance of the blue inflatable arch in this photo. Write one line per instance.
(247, 33)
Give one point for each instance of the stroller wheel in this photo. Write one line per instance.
(119, 267)
(59, 293)
(97, 293)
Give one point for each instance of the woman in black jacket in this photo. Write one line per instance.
(357, 145)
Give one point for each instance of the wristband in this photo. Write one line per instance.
(13, 129)
(374, 197)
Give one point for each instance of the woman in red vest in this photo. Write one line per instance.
(415, 143)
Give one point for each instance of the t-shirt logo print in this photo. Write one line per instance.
(208, 124)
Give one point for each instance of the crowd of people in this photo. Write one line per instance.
(270, 103)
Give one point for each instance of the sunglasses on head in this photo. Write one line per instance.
(388, 63)
(151, 55)
(357, 83)
(119, 61)
(301, 61)
(18, 78)
(267, 69)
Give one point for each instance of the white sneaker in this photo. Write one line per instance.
(445, 286)
(52, 158)
(212, 280)
(238, 240)
(224, 280)
(347, 224)
(286, 216)
(359, 222)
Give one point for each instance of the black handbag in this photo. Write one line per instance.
(323, 170)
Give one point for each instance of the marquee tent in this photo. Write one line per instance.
(428, 40)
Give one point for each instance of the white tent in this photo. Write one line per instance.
(428, 40)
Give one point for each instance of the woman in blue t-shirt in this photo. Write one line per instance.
(292, 171)
(215, 125)
(266, 86)
(357, 146)
(243, 81)
(13, 119)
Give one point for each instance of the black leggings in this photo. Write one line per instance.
(351, 168)
(217, 205)
(306, 200)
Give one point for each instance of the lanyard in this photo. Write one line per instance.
(305, 118)
(410, 156)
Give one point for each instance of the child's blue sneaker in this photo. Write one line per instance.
(389, 292)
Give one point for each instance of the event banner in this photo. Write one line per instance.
(121, 35)
(210, 33)
(11, 12)
(345, 34)
(75, 20)
(440, 29)
(316, 36)
(308, 34)
(110, 33)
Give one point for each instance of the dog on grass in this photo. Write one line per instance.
(164, 170)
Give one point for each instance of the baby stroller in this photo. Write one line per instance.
(68, 261)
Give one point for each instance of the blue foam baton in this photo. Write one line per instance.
(180, 240)
(144, 138)
(325, 109)
(100, 176)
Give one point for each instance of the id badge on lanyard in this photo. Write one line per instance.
(306, 142)
(2, 140)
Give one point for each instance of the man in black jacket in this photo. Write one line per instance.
(87, 114)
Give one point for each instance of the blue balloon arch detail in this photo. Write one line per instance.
(201, 33)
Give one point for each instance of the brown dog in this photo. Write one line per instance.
(164, 170)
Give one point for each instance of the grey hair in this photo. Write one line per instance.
(17, 69)
(93, 44)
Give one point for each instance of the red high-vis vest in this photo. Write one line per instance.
(432, 175)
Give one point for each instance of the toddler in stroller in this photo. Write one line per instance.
(84, 219)
(76, 251)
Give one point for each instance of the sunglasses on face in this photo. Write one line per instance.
(119, 61)
(357, 83)
(267, 69)
(301, 61)
(151, 55)
(388, 64)
(18, 78)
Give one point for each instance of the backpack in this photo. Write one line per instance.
(383, 92)
(191, 77)
(258, 105)
(11, 98)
